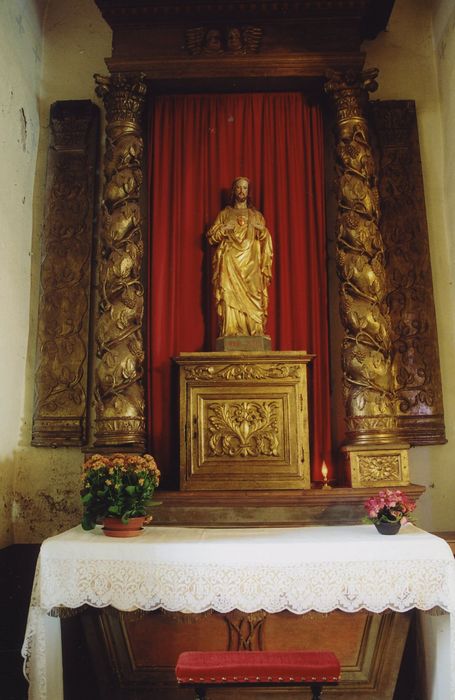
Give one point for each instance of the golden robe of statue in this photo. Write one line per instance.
(242, 265)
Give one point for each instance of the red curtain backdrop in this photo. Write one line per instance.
(198, 145)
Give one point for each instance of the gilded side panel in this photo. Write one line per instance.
(415, 356)
(63, 316)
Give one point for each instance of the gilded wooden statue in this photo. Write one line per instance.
(242, 265)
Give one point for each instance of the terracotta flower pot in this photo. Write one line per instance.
(388, 528)
(114, 527)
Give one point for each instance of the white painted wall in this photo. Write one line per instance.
(409, 69)
(21, 54)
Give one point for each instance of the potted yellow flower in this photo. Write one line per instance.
(118, 489)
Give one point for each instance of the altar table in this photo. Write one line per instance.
(273, 569)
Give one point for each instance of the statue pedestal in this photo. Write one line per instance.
(243, 343)
(244, 421)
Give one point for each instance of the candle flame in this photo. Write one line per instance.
(324, 470)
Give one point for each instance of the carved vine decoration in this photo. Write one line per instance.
(245, 429)
(119, 392)
(61, 374)
(64, 299)
(242, 372)
(403, 223)
(366, 352)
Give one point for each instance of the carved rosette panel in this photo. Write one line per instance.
(415, 359)
(63, 317)
(367, 343)
(378, 468)
(119, 392)
(385, 467)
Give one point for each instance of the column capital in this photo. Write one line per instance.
(123, 95)
(350, 90)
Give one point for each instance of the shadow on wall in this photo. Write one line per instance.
(6, 500)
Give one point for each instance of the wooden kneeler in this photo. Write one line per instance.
(204, 669)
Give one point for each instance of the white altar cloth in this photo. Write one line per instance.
(196, 569)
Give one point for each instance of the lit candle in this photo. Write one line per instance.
(325, 473)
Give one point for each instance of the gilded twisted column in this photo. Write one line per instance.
(119, 393)
(367, 344)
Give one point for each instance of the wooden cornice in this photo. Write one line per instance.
(372, 15)
(311, 65)
(305, 38)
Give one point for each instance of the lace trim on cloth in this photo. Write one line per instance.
(148, 583)
(195, 588)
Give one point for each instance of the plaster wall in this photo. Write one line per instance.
(410, 68)
(21, 54)
(75, 42)
(444, 53)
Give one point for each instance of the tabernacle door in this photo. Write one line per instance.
(244, 421)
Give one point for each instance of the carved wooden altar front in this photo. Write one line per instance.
(143, 647)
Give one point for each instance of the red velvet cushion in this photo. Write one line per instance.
(257, 667)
